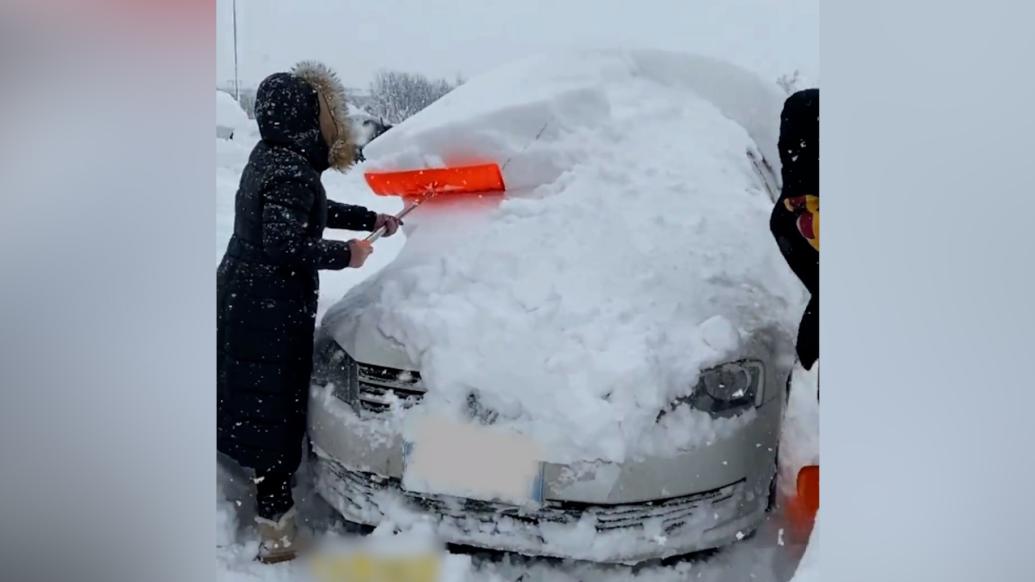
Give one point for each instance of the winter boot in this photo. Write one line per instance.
(280, 540)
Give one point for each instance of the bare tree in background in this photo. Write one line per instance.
(395, 95)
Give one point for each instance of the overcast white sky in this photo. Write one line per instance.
(444, 38)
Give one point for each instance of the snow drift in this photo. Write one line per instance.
(230, 118)
(631, 251)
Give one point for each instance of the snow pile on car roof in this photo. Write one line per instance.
(631, 252)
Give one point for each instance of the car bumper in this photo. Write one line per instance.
(607, 512)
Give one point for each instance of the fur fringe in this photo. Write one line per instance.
(328, 85)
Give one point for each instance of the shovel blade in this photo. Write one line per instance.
(476, 179)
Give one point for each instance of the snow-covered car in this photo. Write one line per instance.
(594, 365)
(366, 128)
(230, 118)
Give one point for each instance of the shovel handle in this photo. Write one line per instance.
(381, 231)
(375, 235)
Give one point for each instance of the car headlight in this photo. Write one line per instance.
(728, 389)
(333, 365)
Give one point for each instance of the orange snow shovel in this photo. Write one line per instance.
(421, 185)
(476, 179)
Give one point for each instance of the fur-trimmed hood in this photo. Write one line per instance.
(330, 87)
(287, 111)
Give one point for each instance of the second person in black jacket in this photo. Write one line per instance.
(267, 284)
(795, 219)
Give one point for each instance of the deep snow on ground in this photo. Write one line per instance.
(632, 249)
(808, 567)
(691, 205)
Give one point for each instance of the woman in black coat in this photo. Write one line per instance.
(267, 284)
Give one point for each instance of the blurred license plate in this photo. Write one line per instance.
(474, 461)
(371, 567)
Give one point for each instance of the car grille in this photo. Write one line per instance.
(671, 514)
(379, 386)
(354, 488)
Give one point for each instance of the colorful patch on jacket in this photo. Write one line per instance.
(806, 208)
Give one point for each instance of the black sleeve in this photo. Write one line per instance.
(808, 334)
(801, 257)
(349, 217)
(285, 214)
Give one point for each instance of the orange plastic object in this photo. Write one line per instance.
(802, 507)
(487, 200)
(476, 179)
(808, 488)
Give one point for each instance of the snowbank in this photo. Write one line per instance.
(230, 117)
(799, 440)
(808, 568)
(631, 251)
